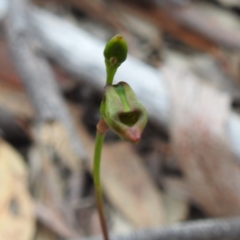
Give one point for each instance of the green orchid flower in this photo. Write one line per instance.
(123, 113)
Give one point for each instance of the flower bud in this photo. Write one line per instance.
(115, 54)
(122, 112)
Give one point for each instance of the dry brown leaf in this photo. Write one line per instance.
(55, 136)
(199, 139)
(163, 21)
(17, 219)
(44, 233)
(177, 209)
(52, 221)
(230, 3)
(53, 154)
(14, 100)
(129, 186)
(216, 24)
(119, 225)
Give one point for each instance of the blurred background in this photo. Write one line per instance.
(183, 64)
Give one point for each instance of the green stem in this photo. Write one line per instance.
(110, 73)
(97, 182)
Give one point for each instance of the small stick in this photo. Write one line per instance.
(213, 229)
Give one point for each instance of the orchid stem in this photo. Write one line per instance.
(110, 74)
(97, 182)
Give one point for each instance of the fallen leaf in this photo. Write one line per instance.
(17, 219)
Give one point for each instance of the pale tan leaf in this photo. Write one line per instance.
(200, 118)
(129, 186)
(17, 216)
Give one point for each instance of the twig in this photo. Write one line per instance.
(219, 229)
(35, 71)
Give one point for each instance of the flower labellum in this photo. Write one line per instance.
(122, 112)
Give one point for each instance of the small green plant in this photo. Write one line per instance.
(120, 111)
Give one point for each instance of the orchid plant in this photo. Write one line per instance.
(120, 111)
